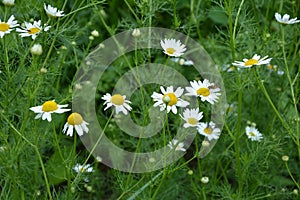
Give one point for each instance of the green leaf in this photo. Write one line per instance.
(218, 15)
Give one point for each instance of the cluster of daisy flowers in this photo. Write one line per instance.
(169, 99)
(256, 59)
(74, 120)
(29, 29)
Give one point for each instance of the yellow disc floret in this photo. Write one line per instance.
(203, 91)
(170, 50)
(170, 99)
(4, 27)
(117, 99)
(251, 62)
(33, 30)
(252, 134)
(192, 121)
(75, 119)
(49, 106)
(208, 130)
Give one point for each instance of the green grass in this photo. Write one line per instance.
(37, 159)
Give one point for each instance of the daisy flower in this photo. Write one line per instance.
(75, 120)
(255, 60)
(9, 2)
(253, 133)
(6, 27)
(32, 29)
(182, 61)
(209, 130)
(169, 99)
(52, 11)
(44, 111)
(177, 146)
(205, 90)
(172, 47)
(285, 19)
(83, 168)
(191, 117)
(118, 101)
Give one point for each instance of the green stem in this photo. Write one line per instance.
(263, 89)
(94, 147)
(37, 152)
(291, 83)
(291, 175)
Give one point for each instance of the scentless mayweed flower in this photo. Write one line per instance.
(182, 61)
(175, 145)
(204, 179)
(95, 33)
(76, 121)
(118, 101)
(285, 158)
(36, 49)
(285, 19)
(6, 27)
(52, 11)
(172, 47)
(209, 130)
(253, 133)
(83, 168)
(169, 99)
(32, 29)
(8, 2)
(191, 117)
(44, 111)
(205, 90)
(255, 60)
(136, 32)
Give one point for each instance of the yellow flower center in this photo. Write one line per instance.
(33, 30)
(270, 67)
(252, 134)
(4, 27)
(82, 169)
(203, 91)
(117, 99)
(170, 99)
(49, 106)
(192, 121)
(75, 119)
(208, 130)
(170, 50)
(251, 62)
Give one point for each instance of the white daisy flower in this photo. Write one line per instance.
(118, 101)
(209, 130)
(169, 99)
(6, 27)
(204, 179)
(9, 2)
(136, 32)
(275, 68)
(75, 120)
(32, 29)
(253, 133)
(285, 19)
(52, 11)
(175, 145)
(36, 49)
(83, 168)
(191, 117)
(182, 61)
(255, 60)
(172, 47)
(205, 90)
(44, 111)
